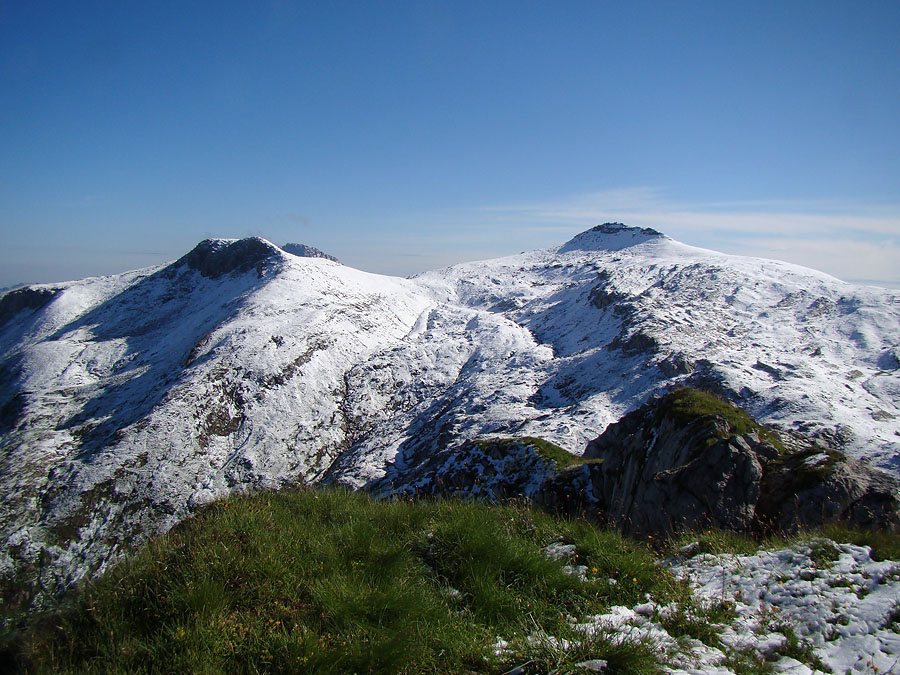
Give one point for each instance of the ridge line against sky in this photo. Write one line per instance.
(839, 238)
(409, 135)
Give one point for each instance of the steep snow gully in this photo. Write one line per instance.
(127, 401)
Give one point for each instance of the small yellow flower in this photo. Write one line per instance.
(634, 579)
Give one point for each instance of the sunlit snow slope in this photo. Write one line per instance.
(128, 400)
(560, 342)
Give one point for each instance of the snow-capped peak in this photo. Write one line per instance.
(610, 237)
(214, 258)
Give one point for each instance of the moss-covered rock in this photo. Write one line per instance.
(691, 460)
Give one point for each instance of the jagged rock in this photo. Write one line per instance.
(493, 469)
(500, 469)
(215, 258)
(669, 467)
(685, 461)
(639, 342)
(602, 298)
(771, 370)
(305, 251)
(815, 486)
(820, 307)
(661, 475)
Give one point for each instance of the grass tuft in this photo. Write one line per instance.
(884, 545)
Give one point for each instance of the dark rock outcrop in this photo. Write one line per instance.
(815, 486)
(215, 258)
(500, 469)
(25, 298)
(609, 237)
(673, 465)
(676, 364)
(601, 298)
(637, 343)
(305, 251)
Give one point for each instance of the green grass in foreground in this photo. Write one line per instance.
(327, 581)
(335, 582)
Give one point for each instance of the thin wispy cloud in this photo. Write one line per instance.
(298, 219)
(849, 241)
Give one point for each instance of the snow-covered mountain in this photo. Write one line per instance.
(126, 401)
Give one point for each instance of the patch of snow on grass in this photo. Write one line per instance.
(845, 610)
(801, 609)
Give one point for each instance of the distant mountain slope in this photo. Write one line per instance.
(305, 251)
(125, 401)
(128, 400)
(567, 340)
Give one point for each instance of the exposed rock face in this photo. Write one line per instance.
(666, 469)
(215, 258)
(24, 298)
(815, 486)
(676, 364)
(305, 251)
(498, 469)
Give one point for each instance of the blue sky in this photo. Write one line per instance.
(403, 136)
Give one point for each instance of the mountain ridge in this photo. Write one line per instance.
(130, 400)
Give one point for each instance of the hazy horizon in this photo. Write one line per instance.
(409, 136)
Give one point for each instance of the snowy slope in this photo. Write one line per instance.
(126, 401)
(140, 396)
(561, 342)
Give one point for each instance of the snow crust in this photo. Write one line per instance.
(847, 610)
